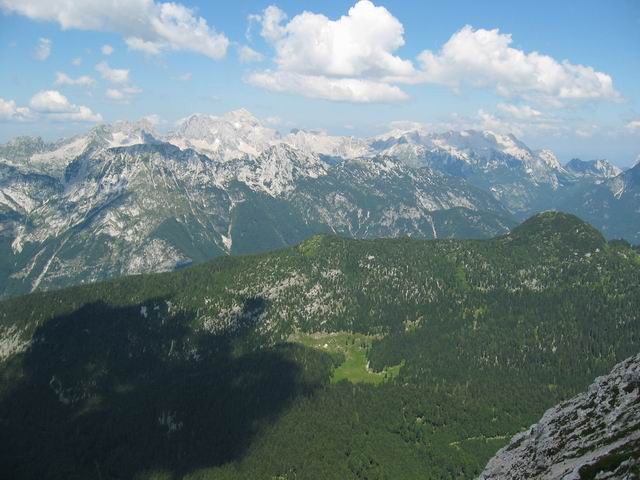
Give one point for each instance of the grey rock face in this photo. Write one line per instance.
(598, 169)
(122, 202)
(595, 435)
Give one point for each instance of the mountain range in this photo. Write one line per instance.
(125, 199)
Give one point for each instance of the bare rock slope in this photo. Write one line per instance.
(595, 435)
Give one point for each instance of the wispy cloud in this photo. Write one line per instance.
(43, 50)
(185, 77)
(249, 55)
(123, 95)
(113, 75)
(634, 126)
(82, 81)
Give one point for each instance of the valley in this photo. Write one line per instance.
(223, 370)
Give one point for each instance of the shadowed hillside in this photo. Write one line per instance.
(111, 392)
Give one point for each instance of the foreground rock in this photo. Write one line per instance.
(595, 435)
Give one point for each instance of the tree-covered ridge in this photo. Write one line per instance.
(488, 333)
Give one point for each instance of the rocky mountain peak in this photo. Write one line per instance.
(549, 158)
(226, 137)
(242, 115)
(318, 142)
(633, 175)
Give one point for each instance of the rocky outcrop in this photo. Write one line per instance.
(595, 435)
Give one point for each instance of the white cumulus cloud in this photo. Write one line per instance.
(520, 120)
(271, 20)
(106, 49)
(634, 125)
(359, 43)
(50, 101)
(120, 90)
(361, 48)
(115, 94)
(10, 111)
(522, 112)
(51, 104)
(484, 58)
(43, 50)
(166, 26)
(342, 60)
(148, 47)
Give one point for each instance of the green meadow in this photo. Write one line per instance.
(349, 351)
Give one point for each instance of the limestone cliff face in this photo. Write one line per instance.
(595, 435)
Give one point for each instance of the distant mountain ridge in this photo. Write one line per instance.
(600, 169)
(124, 198)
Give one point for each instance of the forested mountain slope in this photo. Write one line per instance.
(230, 369)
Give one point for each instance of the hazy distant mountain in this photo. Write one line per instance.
(611, 204)
(598, 169)
(519, 177)
(226, 137)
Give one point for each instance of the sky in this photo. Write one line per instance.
(558, 75)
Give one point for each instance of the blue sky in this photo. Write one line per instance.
(342, 67)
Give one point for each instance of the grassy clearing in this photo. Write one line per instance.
(353, 349)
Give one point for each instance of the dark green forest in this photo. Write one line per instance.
(200, 374)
